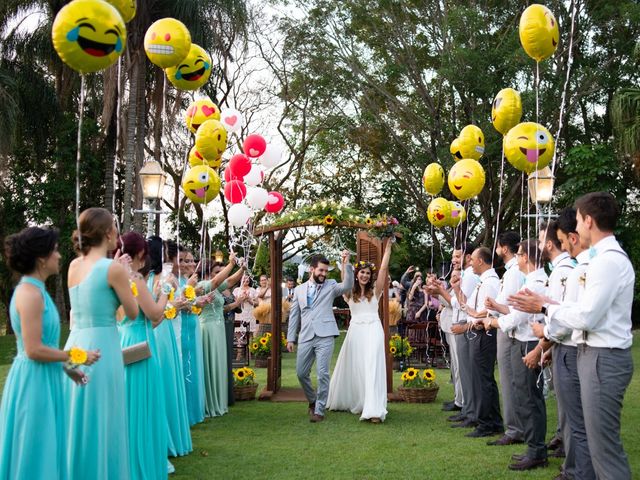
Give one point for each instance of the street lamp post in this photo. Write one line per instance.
(153, 179)
(541, 184)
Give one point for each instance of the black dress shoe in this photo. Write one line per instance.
(457, 418)
(529, 464)
(554, 443)
(312, 408)
(451, 407)
(480, 433)
(465, 424)
(558, 452)
(505, 440)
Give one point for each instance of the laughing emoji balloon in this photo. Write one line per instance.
(506, 110)
(539, 33)
(211, 140)
(127, 8)
(529, 147)
(89, 35)
(433, 178)
(199, 112)
(192, 72)
(466, 179)
(439, 212)
(167, 42)
(458, 214)
(201, 184)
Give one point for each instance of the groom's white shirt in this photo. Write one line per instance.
(317, 318)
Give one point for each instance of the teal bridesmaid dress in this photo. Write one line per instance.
(33, 439)
(145, 404)
(214, 345)
(192, 364)
(98, 444)
(179, 440)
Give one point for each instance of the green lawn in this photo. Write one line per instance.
(263, 440)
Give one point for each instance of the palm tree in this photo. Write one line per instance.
(625, 116)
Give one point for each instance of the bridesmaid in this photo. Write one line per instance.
(32, 426)
(192, 361)
(98, 443)
(214, 340)
(170, 365)
(143, 381)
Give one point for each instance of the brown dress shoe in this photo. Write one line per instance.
(558, 452)
(505, 440)
(529, 464)
(518, 457)
(315, 418)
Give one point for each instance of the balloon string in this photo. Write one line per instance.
(118, 113)
(433, 239)
(497, 231)
(78, 157)
(521, 200)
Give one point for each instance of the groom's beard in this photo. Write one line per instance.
(319, 278)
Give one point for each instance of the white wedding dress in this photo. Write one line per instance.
(359, 381)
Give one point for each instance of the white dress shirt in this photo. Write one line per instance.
(604, 314)
(488, 287)
(562, 266)
(446, 314)
(574, 291)
(468, 283)
(516, 323)
(511, 282)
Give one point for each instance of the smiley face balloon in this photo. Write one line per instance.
(196, 158)
(458, 214)
(539, 33)
(439, 212)
(506, 110)
(470, 143)
(529, 146)
(433, 178)
(192, 72)
(167, 42)
(454, 149)
(89, 35)
(466, 179)
(211, 140)
(199, 112)
(201, 184)
(127, 8)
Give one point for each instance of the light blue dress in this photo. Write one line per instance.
(214, 346)
(32, 428)
(192, 364)
(179, 441)
(98, 444)
(145, 403)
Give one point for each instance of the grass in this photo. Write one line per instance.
(263, 440)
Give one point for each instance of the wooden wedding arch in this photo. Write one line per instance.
(369, 249)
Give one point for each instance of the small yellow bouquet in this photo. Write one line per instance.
(243, 376)
(414, 378)
(170, 311)
(399, 347)
(262, 346)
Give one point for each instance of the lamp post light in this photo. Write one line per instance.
(218, 256)
(541, 183)
(152, 178)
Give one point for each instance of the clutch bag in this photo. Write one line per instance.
(136, 352)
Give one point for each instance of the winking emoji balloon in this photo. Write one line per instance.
(466, 179)
(167, 42)
(89, 35)
(199, 112)
(528, 147)
(439, 212)
(192, 72)
(211, 140)
(458, 214)
(433, 178)
(201, 184)
(539, 33)
(506, 110)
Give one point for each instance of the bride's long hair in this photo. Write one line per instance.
(369, 287)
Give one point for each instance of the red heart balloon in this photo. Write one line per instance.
(235, 191)
(254, 145)
(275, 203)
(239, 165)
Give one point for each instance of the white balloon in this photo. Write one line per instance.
(272, 156)
(232, 120)
(255, 176)
(257, 198)
(239, 214)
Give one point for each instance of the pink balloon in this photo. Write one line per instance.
(235, 191)
(239, 165)
(228, 176)
(254, 145)
(275, 203)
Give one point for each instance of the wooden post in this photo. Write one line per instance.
(275, 257)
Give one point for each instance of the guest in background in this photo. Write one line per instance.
(231, 309)
(264, 290)
(247, 296)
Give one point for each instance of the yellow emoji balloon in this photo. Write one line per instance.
(127, 8)
(470, 143)
(192, 72)
(439, 212)
(506, 110)
(433, 178)
(201, 184)
(199, 112)
(89, 35)
(196, 158)
(528, 146)
(466, 179)
(211, 140)
(167, 42)
(539, 33)
(458, 214)
(454, 149)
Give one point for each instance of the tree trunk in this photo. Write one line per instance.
(141, 116)
(137, 64)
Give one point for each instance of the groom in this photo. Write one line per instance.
(312, 313)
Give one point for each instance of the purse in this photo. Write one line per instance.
(138, 351)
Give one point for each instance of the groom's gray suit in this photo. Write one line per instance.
(318, 330)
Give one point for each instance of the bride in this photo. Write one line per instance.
(359, 381)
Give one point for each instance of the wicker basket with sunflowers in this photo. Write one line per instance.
(418, 386)
(244, 385)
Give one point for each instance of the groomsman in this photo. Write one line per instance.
(528, 394)
(603, 321)
(483, 346)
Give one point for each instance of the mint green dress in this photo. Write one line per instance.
(214, 346)
(145, 403)
(98, 444)
(192, 364)
(179, 440)
(33, 440)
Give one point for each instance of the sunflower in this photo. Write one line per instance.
(134, 288)
(403, 377)
(170, 312)
(249, 372)
(393, 350)
(77, 356)
(196, 310)
(268, 335)
(263, 341)
(412, 373)
(328, 220)
(172, 295)
(189, 292)
(235, 373)
(429, 375)
(241, 374)
(254, 346)
(368, 221)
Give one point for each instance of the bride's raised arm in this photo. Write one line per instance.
(383, 273)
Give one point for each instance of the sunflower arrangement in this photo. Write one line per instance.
(399, 347)
(261, 347)
(283, 341)
(414, 378)
(243, 376)
(134, 288)
(170, 312)
(189, 293)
